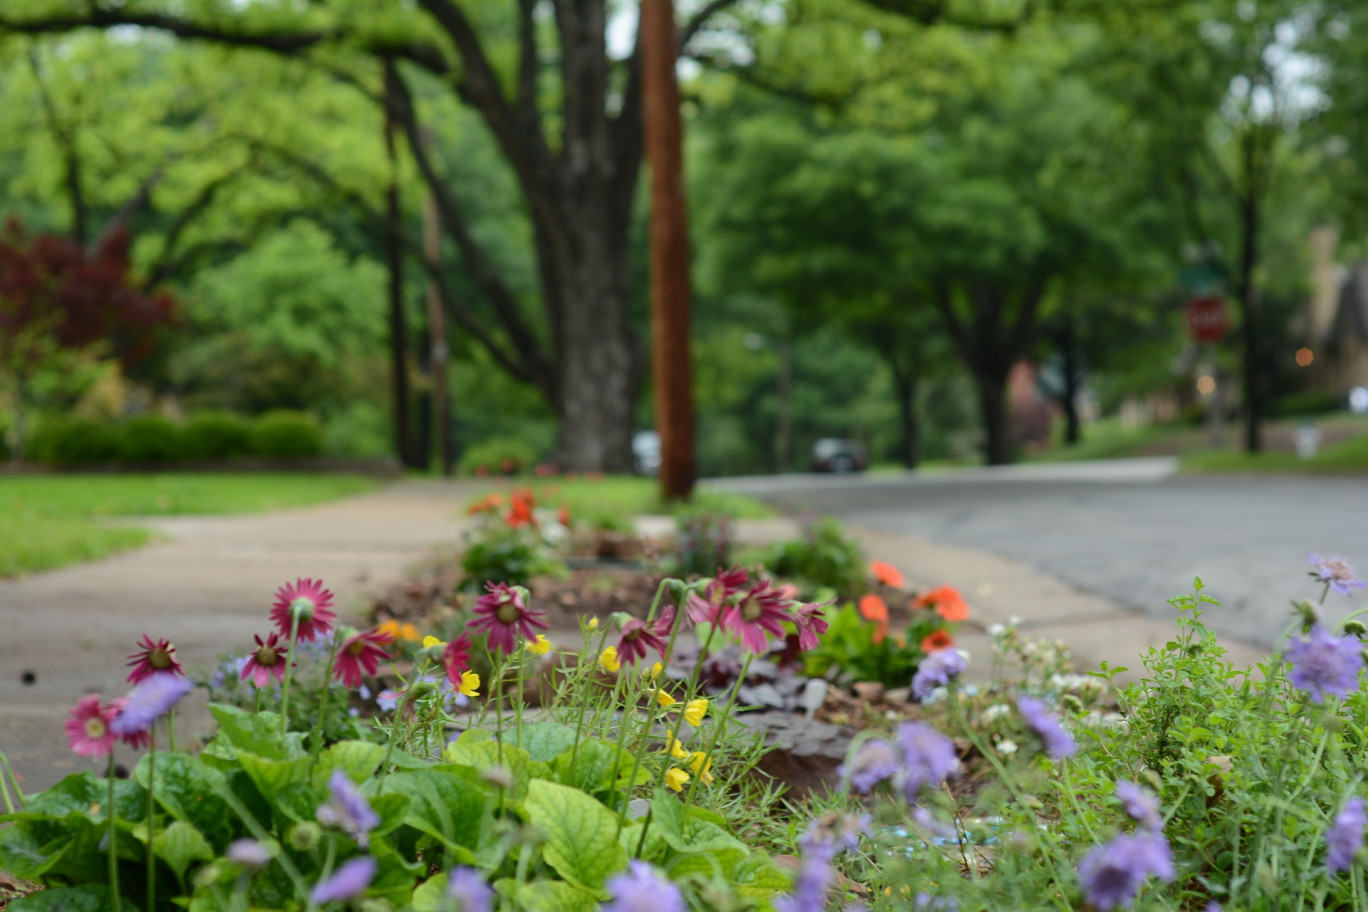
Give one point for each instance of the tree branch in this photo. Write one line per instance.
(527, 58)
(71, 159)
(699, 19)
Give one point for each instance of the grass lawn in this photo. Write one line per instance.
(628, 495)
(1347, 456)
(52, 520)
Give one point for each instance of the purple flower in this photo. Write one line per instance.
(1345, 836)
(875, 761)
(809, 887)
(248, 852)
(1336, 572)
(1111, 874)
(348, 810)
(347, 882)
(930, 903)
(936, 670)
(1141, 804)
(831, 833)
(468, 888)
(641, 889)
(1325, 664)
(928, 757)
(1038, 718)
(152, 698)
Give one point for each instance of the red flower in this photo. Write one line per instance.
(886, 574)
(719, 590)
(947, 601)
(759, 614)
(936, 641)
(810, 623)
(310, 601)
(266, 662)
(637, 636)
(361, 652)
(88, 728)
(873, 608)
(153, 658)
(456, 658)
(520, 510)
(504, 615)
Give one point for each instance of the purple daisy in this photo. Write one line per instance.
(1141, 804)
(1345, 836)
(875, 761)
(153, 698)
(504, 615)
(641, 889)
(936, 670)
(348, 810)
(1325, 664)
(1052, 734)
(1335, 572)
(347, 882)
(928, 757)
(1111, 874)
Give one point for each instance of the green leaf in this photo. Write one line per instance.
(718, 865)
(269, 776)
(443, 804)
(581, 834)
(481, 755)
(190, 791)
(85, 898)
(179, 845)
(545, 741)
(430, 895)
(757, 877)
(256, 732)
(358, 759)
(591, 769)
(556, 896)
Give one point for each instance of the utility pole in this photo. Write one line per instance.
(672, 368)
(439, 351)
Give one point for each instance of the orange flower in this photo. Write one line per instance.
(564, 517)
(873, 608)
(486, 504)
(886, 574)
(947, 601)
(520, 510)
(936, 641)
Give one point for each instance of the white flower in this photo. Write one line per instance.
(1007, 747)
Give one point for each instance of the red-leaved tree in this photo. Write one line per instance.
(61, 301)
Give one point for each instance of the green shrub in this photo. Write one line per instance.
(74, 441)
(149, 438)
(285, 434)
(1311, 402)
(825, 557)
(216, 435)
(498, 456)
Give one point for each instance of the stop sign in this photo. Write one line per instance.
(1206, 319)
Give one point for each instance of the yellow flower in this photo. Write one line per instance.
(677, 750)
(609, 660)
(665, 699)
(676, 778)
(655, 672)
(593, 624)
(430, 641)
(701, 764)
(541, 647)
(408, 632)
(695, 710)
(470, 684)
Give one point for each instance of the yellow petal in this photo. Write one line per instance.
(609, 660)
(676, 778)
(430, 641)
(677, 750)
(593, 624)
(541, 646)
(655, 671)
(695, 710)
(701, 764)
(665, 699)
(409, 632)
(470, 684)
(390, 626)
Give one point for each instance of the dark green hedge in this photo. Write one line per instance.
(156, 439)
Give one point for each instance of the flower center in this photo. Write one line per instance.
(750, 610)
(302, 608)
(356, 648)
(95, 728)
(267, 656)
(160, 658)
(507, 612)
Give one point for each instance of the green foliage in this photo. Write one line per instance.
(284, 434)
(498, 456)
(855, 648)
(150, 438)
(215, 435)
(825, 557)
(505, 554)
(75, 441)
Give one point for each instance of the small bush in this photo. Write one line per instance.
(216, 435)
(1297, 405)
(824, 557)
(74, 441)
(498, 456)
(284, 434)
(149, 438)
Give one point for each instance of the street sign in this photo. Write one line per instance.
(1206, 319)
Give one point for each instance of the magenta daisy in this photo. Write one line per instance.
(152, 658)
(361, 652)
(810, 623)
(504, 615)
(266, 662)
(307, 600)
(716, 594)
(88, 730)
(456, 658)
(639, 636)
(759, 614)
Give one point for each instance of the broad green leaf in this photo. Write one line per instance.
(442, 803)
(179, 845)
(545, 741)
(757, 877)
(556, 896)
(667, 816)
(269, 776)
(190, 791)
(85, 898)
(712, 865)
(256, 732)
(430, 895)
(358, 759)
(481, 755)
(581, 834)
(591, 769)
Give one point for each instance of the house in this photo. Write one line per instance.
(1335, 323)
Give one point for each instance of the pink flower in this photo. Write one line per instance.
(716, 594)
(637, 636)
(504, 615)
(266, 662)
(810, 623)
(307, 599)
(759, 614)
(153, 658)
(456, 658)
(137, 739)
(88, 728)
(363, 651)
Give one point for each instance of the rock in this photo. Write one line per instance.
(868, 690)
(814, 695)
(804, 753)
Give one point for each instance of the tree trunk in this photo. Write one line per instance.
(992, 396)
(1249, 297)
(1068, 346)
(905, 389)
(394, 254)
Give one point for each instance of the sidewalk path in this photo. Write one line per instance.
(207, 588)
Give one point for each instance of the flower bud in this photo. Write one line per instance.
(678, 590)
(1355, 629)
(1071, 703)
(304, 836)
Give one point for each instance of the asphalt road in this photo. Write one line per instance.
(1128, 530)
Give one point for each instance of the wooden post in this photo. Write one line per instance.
(672, 367)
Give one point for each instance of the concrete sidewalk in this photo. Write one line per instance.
(209, 585)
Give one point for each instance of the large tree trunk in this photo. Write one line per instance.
(993, 406)
(1068, 347)
(905, 389)
(1249, 295)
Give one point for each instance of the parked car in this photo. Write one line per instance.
(834, 454)
(646, 452)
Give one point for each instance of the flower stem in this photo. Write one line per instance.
(719, 724)
(518, 697)
(152, 818)
(584, 710)
(317, 747)
(289, 669)
(113, 833)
